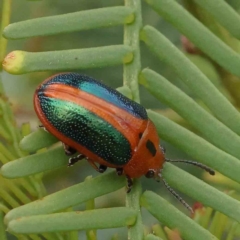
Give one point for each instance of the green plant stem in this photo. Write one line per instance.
(9, 156)
(4, 209)
(4, 134)
(132, 200)
(3, 159)
(11, 127)
(131, 38)
(215, 224)
(21, 237)
(39, 186)
(34, 237)
(8, 199)
(130, 78)
(73, 235)
(27, 184)
(90, 205)
(231, 233)
(223, 221)
(71, 22)
(205, 220)
(53, 236)
(17, 192)
(6, 13)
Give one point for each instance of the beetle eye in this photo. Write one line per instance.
(150, 174)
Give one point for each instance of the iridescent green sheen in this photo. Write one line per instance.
(87, 129)
(100, 90)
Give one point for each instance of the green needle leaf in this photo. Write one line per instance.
(173, 218)
(37, 140)
(132, 200)
(223, 13)
(71, 22)
(216, 132)
(200, 35)
(92, 219)
(152, 237)
(19, 62)
(131, 38)
(192, 77)
(196, 147)
(34, 164)
(70, 196)
(200, 191)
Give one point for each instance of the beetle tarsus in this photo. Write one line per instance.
(102, 168)
(41, 126)
(119, 171)
(73, 160)
(129, 184)
(68, 150)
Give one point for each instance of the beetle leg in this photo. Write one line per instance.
(41, 126)
(73, 160)
(101, 168)
(129, 184)
(93, 164)
(68, 150)
(119, 171)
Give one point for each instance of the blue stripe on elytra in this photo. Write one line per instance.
(87, 129)
(100, 90)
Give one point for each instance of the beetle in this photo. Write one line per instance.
(103, 126)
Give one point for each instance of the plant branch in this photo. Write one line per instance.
(131, 38)
(6, 13)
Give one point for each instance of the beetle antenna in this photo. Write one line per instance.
(206, 168)
(180, 199)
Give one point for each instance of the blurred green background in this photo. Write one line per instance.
(20, 89)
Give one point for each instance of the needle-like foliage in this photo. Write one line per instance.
(210, 27)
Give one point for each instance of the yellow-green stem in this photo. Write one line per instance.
(6, 12)
(131, 38)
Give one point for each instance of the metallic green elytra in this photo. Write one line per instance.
(87, 129)
(103, 126)
(93, 115)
